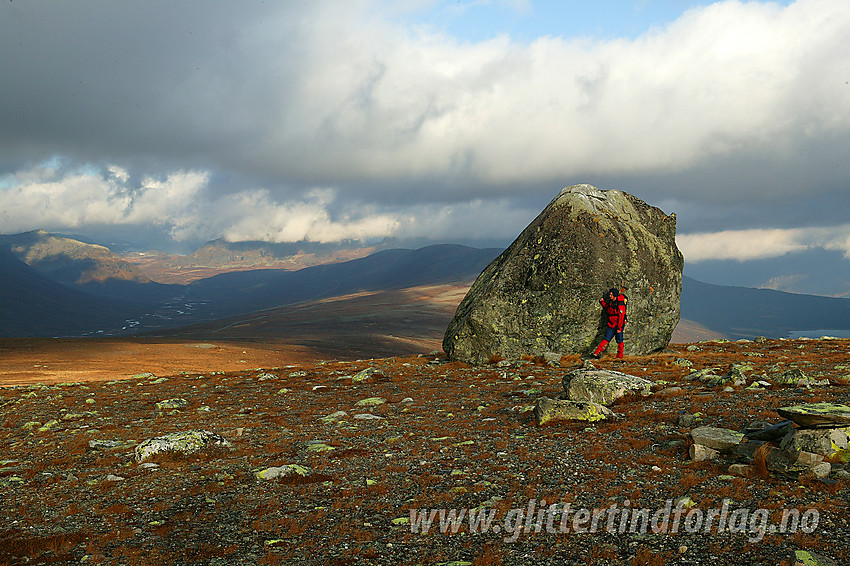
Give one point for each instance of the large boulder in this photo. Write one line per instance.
(542, 293)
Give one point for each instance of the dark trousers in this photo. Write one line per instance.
(611, 332)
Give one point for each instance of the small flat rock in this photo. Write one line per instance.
(808, 459)
(720, 439)
(109, 444)
(821, 470)
(700, 453)
(546, 410)
(817, 415)
(602, 386)
(172, 404)
(809, 558)
(771, 432)
(334, 417)
(368, 417)
(285, 471)
(371, 402)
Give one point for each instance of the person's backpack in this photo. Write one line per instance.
(623, 302)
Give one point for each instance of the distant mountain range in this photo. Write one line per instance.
(71, 288)
(70, 261)
(33, 305)
(809, 272)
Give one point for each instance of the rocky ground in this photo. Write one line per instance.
(324, 463)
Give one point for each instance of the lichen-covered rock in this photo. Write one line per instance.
(817, 415)
(285, 471)
(187, 442)
(825, 441)
(720, 439)
(542, 293)
(172, 404)
(602, 386)
(546, 410)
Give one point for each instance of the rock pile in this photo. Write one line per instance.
(542, 293)
(811, 434)
(587, 394)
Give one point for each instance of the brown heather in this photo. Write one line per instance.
(466, 439)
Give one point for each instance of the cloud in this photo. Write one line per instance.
(255, 215)
(341, 93)
(236, 113)
(52, 198)
(182, 202)
(743, 245)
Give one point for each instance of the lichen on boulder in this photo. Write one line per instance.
(546, 410)
(187, 442)
(542, 293)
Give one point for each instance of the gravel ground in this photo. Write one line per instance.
(363, 454)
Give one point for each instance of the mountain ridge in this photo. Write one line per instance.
(45, 307)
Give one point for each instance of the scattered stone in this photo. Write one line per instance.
(708, 376)
(825, 441)
(187, 442)
(542, 293)
(109, 444)
(334, 417)
(682, 362)
(737, 374)
(145, 375)
(747, 448)
(299, 373)
(172, 404)
(809, 558)
(547, 410)
(720, 439)
(700, 453)
(740, 470)
(809, 459)
(791, 376)
(371, 402)
(267, 376)
(368, 417)
(768, 432)
(49, 425)
(112, 477)
(285, 471)
(552, 358)
(602, 386)
(688, 420)
(821, 470)
(817, 415)
(363, 375)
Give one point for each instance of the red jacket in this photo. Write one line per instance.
(616, 310)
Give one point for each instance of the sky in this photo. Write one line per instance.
(168, 124)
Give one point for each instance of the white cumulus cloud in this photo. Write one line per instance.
(745, 245)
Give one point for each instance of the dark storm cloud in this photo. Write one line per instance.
(328, 120)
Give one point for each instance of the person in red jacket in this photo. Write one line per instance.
(615, 307)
